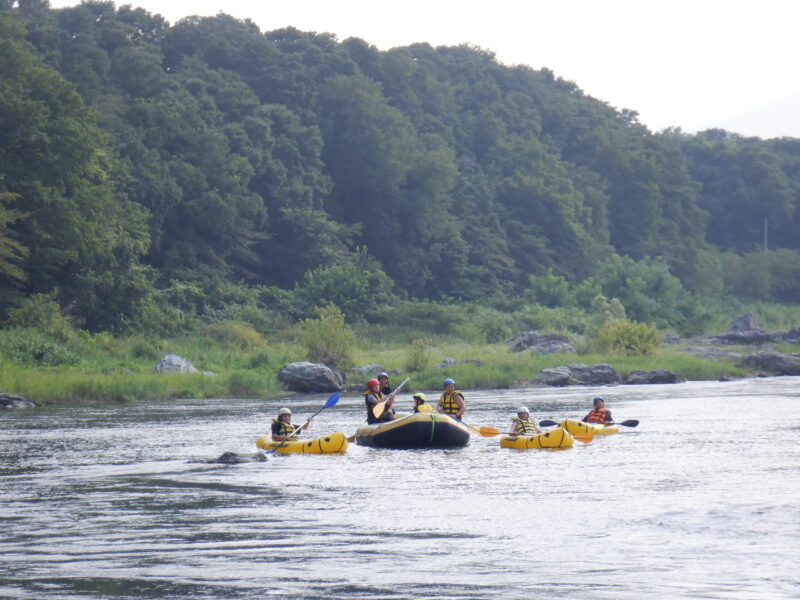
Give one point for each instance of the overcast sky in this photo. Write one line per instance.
(686, 63)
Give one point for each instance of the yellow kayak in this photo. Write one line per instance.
(335, 442)
(555, 438)
(576, 427)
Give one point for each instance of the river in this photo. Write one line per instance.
(701, 500)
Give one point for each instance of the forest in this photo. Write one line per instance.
(156, 175)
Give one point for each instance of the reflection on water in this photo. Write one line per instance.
(699, 501)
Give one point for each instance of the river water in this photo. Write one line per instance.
(701, 500)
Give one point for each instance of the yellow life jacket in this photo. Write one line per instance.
(423, 408)
(524, 427)
(285, 428)
(449, 404)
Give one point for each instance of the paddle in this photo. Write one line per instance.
(484, 431)
(331, 401)
(378, 409)
(628, 423)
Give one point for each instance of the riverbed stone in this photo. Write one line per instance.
(655, 376)
(542, 343)
(579, 374)
(773, 361)
(15, 402)
(172, 363)
(306, 376)
(235, 458)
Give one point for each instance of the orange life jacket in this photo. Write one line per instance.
(596, 415)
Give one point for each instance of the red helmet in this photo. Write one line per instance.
(372, 382)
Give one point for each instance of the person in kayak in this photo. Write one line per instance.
(386, 389)
(452, 401)
(522, 424)
(282, 428)
(599, 414)
(373, 397)
(420, 403)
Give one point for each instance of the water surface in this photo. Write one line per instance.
(701, 500)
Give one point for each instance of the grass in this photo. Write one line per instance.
(107, 369)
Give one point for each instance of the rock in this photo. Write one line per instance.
(447, 362)
(234, 458)
(172, 363)
(557, 376)
(542, 343)
(579, 374)
(671, 338)
(369, 371)
(310, 377)
(773, 361)
(792, 336)
(655, 376)
(599, 374)
(712, 353)
(752, 336)
(15, 401)
(745, 322)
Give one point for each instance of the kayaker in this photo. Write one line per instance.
(372, 397)
(452, 401)
(386, 389)
(282, 428)
(522, 424)
(420, 403)
(599, 414)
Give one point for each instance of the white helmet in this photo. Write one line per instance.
(523, 409)
(284, 411)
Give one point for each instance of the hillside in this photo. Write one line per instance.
(148, 168)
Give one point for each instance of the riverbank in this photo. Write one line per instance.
(121, 370)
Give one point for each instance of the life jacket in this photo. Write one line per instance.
(423, 408)
(596, 415)
(449, 404)
(285, 428)
(370, 415)
(524, 427)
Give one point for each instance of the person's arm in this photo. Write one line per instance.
(461, 406)
(609, 418)
(513, 430)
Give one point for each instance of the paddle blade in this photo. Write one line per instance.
(488, 431)
(352, 438)
(547, 423)
(378, 409)
(630, 423)
(332, 400)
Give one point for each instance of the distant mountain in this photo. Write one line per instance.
(778, 119)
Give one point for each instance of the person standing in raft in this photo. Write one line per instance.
(522, 424)
(420, 403)
(452, 401)
(282, 428)
(373, 397)
(386, 389)
(599, 414)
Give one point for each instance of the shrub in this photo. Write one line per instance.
(236, 335)
(418, 356)
(620, 336)
(42, 313)
(327, 340)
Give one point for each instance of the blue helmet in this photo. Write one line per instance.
(448, 381)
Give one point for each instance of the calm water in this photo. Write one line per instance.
(702, 500)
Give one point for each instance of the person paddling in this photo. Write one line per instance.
(522, 424)
(420, 403)
(452, 401)
(599, 414)
(282, 428)
(383, 379)
(373, 397)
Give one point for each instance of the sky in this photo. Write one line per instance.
(691, 64)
